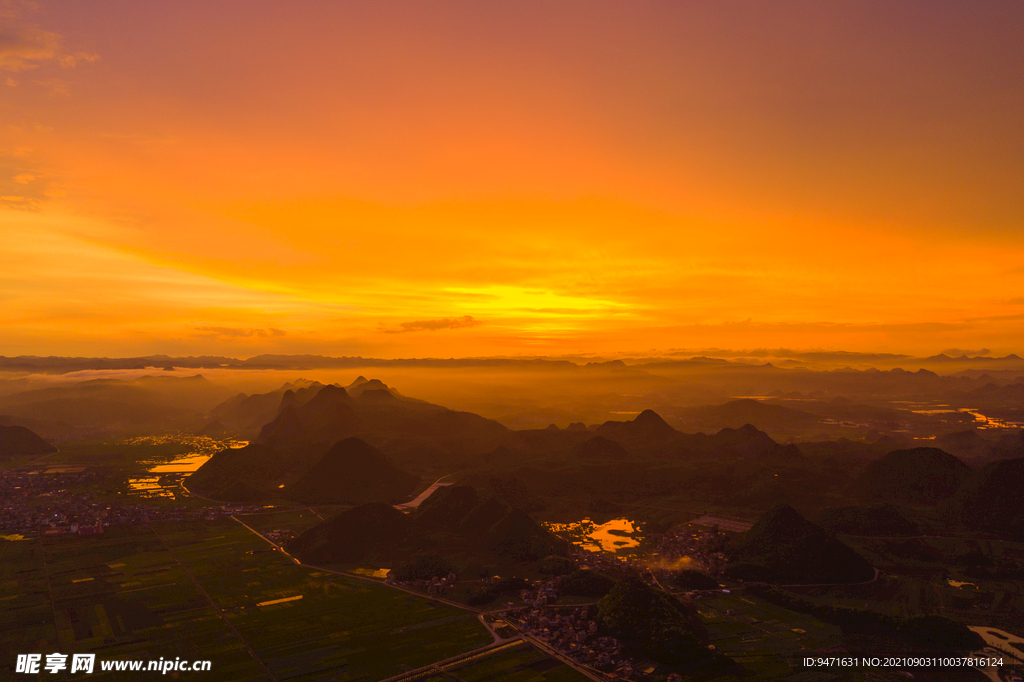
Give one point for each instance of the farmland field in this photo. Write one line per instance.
(199, 590)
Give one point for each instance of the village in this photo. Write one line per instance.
(34, 504)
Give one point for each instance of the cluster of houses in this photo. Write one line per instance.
(702, 547)
(571, 633)
(279, 536)
(438, 585)
(33, 504)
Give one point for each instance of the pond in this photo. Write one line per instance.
(616, 536)
(167, 471)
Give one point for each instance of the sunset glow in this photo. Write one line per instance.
(471, 179)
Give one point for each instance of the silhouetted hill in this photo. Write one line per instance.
(120, 406)
(749, 441)
(599, 447)
(690, 579)
(585, 583)
(481, 517)
(351, 472)
(240, 492)
(214, 429)
(653, 624)
(967, 445)
(258, 466)
(446, 507)
(648, 428)
(746, 442)
(990, 499)
(514, 493)
(377, 397)
(453, 521)
(372, 529)
(736, 413)
(18, 440)
(879, 520)
(246, 414)
(489, 523)
(917, 475)
(784, 547)
(375, 387)
(520, 538)
(381, 415)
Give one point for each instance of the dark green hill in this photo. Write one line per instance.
(240, 492)
(784, 547)
(990, 500)
(917, 475)
(259, 466)
(489, 523)
(585, 583)
(422, 567)
(446, 507)
(692, 579)
(654, 624)
(513, 492)
(370, 530)
(482, 516)
(352, 472)
(520, 538)
(452, 522)
(879, 520)
(17, 440)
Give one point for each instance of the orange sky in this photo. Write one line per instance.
(467, 179)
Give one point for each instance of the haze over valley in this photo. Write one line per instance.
(859, 500)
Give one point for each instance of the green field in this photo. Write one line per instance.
(297, 520)
(762, 637)
(523, 663)
(130, 594)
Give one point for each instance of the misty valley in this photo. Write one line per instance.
(651, 519)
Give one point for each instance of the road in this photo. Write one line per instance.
(411, 675)
(425, 494)
(213, 604)
(447, 665)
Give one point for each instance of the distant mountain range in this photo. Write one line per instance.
(103, 406)
(31, 363)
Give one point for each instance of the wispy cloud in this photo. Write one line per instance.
(434, 325)
(21, 186)
(24, 47)
(239, 332)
